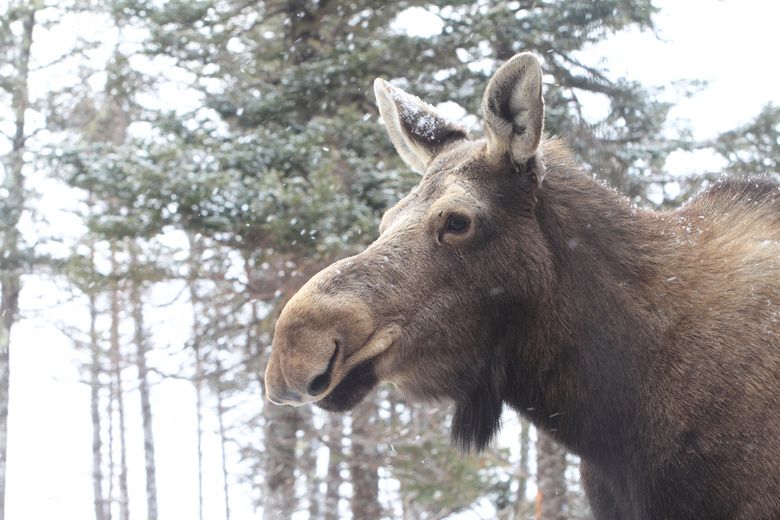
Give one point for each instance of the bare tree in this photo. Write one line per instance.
(195, 342)
(95, 371)
(222, 436)
(140, 340)
(116, 372)
(111, 462)
(10, 258)
(97, 441)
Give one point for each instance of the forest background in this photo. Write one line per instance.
(171, 171)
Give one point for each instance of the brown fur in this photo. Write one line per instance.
(648, 343)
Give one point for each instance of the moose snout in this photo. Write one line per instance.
(299, 378)
(281, 393)
(317, 339)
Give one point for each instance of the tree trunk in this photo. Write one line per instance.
(194, 273)
(199, 423)
(335, 455)
(281, 426)
(307, 461)
(116, 359)
(550, 479)
(364, 462)
(222, 437)
(97, 442)
(10, 263)
(94, 382)
(522, 509)
(139, 337)
(111, 462)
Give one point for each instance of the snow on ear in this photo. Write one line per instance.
(513, 108)
(417, 131)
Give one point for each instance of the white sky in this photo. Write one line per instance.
(732, 43)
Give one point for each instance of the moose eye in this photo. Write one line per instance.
(457, 224)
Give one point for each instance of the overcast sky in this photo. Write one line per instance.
(732, 44)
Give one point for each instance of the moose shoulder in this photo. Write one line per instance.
(648, 343)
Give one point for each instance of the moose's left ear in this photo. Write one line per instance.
(513, 108)
(417, 131)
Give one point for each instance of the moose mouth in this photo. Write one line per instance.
(362, 377)
(352, 389)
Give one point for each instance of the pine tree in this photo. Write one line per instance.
(86, 281)
(753, 148)
(118, 398)
(101, 501)
(12, 203)
(221, 410)
(140, 338)
(110, 113)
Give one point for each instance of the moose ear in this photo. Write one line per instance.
(513, 108)
(417, 131)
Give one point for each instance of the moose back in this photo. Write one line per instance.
(646, 342)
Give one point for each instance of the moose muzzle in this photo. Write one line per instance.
(319, 337)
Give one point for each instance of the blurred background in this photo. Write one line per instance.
(172, 171)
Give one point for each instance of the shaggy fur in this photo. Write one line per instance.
(648, 343)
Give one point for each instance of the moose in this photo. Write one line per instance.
(646, 342)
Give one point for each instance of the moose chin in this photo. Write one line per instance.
(646, 342)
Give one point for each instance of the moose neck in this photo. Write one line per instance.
(591, 343)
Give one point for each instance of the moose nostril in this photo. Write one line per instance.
(319, 384)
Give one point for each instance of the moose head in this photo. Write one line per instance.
(434, 304)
